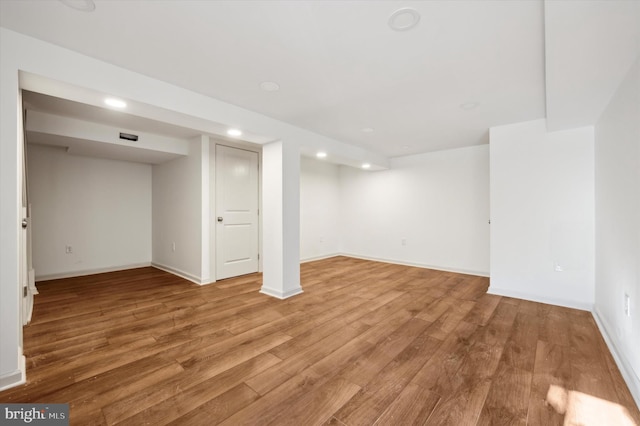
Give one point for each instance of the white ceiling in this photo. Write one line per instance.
(339, 66)
(590, 47)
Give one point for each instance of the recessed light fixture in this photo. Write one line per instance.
(321, 154)
(366, 165)
(269, 86)
(81, 5)
(404, 19)
(234, 132)
(367, 130)
(469, 105)
(116, 103)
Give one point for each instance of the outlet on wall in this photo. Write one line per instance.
(627, 305)
(403, 241)
(68, 249)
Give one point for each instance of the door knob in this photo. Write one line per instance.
(24, 223)
(219, 218)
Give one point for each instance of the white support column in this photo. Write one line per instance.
(281, 219)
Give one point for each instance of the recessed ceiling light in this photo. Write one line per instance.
(469, 105)
(367, 130)
(269, 86)
(366, 166)
(81, 5)
(404, 19)
(321, 154)
(234, 132)
(116, 103)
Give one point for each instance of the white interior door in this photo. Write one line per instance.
(236, 212)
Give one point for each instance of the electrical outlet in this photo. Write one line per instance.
(403, 241)
(627, 305)
(558, 268)
(68, 249)
(173, 246)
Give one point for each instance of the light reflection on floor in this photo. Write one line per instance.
(580, 409)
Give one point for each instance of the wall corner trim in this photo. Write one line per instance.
(540, 299)
(632, 381)
(322, 257)
(182, 274)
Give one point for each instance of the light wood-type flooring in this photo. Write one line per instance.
(366, 343)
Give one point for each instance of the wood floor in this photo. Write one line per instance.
(366, 343)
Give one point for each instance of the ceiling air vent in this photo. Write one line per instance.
(128, 137)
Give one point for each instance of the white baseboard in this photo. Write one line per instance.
(14, 378)
(540, 299)
(182, 274)
(417, 265)
(84, 272)
(325, 256)
(279, 294)
(632, 380)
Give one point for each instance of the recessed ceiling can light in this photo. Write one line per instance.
(404, 19)
(116, 103)
(81, 5)
(469, 105)
(321, 154)
(366, 165)
(234, 132)
(367, 130)
(269, 86)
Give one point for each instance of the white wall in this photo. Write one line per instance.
(320, 221)
(542, 214)
(101, 208)
(617, 195)
(437, 202)
(177, 214)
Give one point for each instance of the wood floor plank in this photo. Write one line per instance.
(508, 400)
(463, 408)
(219, 408)
(317, 407)
(368, 404)
(366, 343)
(483, 309)
(518, 351)
(369, 364)
(556, 327)
(449, 320)
(413, 406)
(269, 406)
(215, 375)
(436, 374)
(552, 367)
(94, 394)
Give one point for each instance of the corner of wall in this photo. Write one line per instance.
(632, 380)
